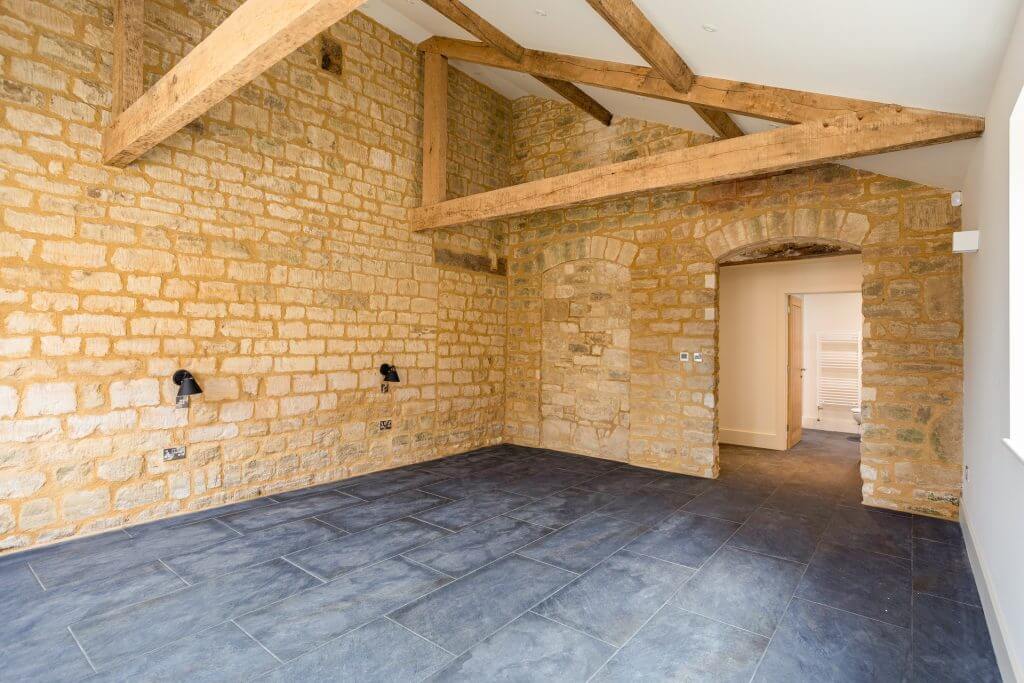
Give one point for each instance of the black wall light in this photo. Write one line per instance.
(187, 386)
(390, 373)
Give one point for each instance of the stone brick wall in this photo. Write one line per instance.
(672, 242)
(264, 248)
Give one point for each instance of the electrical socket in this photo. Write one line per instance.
(698, 357)
(385, 425)
(684, 356)
(385, 387)
(175, 453)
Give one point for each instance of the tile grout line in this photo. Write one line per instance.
(186, 581)
(303, 569)
(560, 623)
(418, 635)
(85, 654)
(254, 639)
(35, 576)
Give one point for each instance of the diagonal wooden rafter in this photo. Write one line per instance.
(252, 39)
(490, 34)
(632, 24)
(885, 129)
(736, 97)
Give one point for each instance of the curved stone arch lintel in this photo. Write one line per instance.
(592, 246)
(788, 249)
(812, 224)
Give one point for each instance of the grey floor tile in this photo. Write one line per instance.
(388, 482)
(819, 643)
(741, 588)
(544, 483)
(584, 465)
(342, 555)
(222, 653)
(685, 539)
(476, 546)
(18, 586)
(680, 483)
(878, 532)
(531, 648)
(254, 548)
(192, 517)
(614, 599)
(800, 504)
(381, 510)
(622, 480)
(938, 530)
(469, 511)
(645, 507)
(56, 609)
(51, 657)
(468, 610)
(943, 569)
(584, 543)
(951, 643)
(562, 508)
(299, 508)
(71, 549)
(681, 646)
(380, 652)
(306, 620)
(780, 534)
(464, 487)
(723, 502)
(329, 487)
(60, 569)
(869, 584)
(147, 626)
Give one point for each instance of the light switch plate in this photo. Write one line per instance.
(698, 357)
(176, 453)
(684, 356)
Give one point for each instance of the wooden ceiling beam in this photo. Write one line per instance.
(846, 136)
(491, 35)
(253, 38)
(736, 97)
(635, 28)
(126, 72)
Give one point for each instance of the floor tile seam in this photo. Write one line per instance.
(575, 573)
(671, 605)
(662, 559)
(426, 566)
(218, 520)
(530, 608)
(171, 570)
(953, 544)
(568, 626)
(113, 664)
(942, 597)
(35, 576)
(257, 641)
(88, 659)
(785, 611)
(418, 635)
(526, 521)
(903, 558)
(851, 612)
(242, 533)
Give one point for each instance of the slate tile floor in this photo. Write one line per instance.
(513, 563)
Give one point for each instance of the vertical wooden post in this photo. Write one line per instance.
(435, 128)
(129, 27)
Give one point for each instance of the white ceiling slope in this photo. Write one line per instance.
(935, 54)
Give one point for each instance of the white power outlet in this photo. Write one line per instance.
(684, 356)
(175, 453)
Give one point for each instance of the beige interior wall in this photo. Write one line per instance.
(825, 313)
(753, 341)
(264, 248)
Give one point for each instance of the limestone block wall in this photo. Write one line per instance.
(672, 242)
(264, 248)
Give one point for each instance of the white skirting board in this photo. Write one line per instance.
(830, 425)
(1009, 666)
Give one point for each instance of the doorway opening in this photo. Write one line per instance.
(789, 349)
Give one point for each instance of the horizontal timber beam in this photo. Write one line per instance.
(760, 101)
(846, 136)
(253, 38)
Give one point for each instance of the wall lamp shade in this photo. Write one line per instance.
(390, 373)
(187, 384)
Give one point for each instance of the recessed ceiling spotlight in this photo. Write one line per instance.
(710, 28)
(540, 12)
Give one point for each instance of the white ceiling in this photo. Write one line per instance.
(935, 54)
